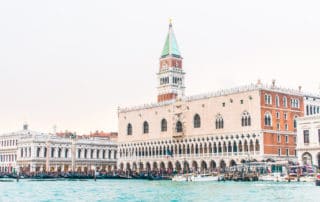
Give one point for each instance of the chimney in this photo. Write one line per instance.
(300, 88)
(273, 83)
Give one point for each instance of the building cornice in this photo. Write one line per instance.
(309, 118)
(224, 92)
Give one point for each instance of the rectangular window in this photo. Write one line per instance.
(286, 126)
(319, 135)
(295, 103)
(295, 139)
(278, 126)
(279, 138)
(285, 104)
(241, 101)
(278, 115)
(277, 101)
(306, 136)
(287, 152)
(267, 99)
(223, 104)
(287, 139)
(285, 115)
(279, 152)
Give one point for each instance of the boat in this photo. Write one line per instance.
(304, 173)
(318, 180)
(122, 176)
(306, 179)
(140, 176)
(159, 177)
(44, 176)
(204, 178)
(180, 178)
(196, 178)
(273, 177)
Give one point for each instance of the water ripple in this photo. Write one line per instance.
(141, 190)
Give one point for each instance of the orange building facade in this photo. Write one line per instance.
(279, 112)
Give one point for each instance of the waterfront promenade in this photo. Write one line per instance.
(144, 190)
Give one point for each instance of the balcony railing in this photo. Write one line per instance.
(197, 155)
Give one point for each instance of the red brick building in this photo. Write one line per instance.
(278, 121)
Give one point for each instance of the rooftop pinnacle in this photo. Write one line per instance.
(171, 45)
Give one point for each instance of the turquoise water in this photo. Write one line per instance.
(144, 190)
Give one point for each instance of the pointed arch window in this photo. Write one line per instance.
(145, 127)
(38, 152)
(196, 121)
(45, 152)
(129, 129)
(85, 153)
(59, 153)
(164, 126)
(245, 119)
(267, 119)
(66, 153)
(52, 152)
(219, 122)
(79, 153)
(179, 128)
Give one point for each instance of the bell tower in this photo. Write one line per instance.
(170, 75)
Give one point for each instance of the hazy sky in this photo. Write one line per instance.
(71, 63)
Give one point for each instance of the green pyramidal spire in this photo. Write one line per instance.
(171, 45)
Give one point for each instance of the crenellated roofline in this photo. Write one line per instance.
(223, 92)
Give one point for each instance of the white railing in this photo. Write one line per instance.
(194, 155)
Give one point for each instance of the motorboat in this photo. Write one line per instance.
(306, 179)
(203, 178)
(195, 178)
(318, 180)
(273, 177)
(180, 178)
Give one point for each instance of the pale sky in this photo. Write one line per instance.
(71, 63)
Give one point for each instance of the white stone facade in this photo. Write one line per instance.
(311, 105)
(308, 140)
(31, 151)
(207, 146)
(171, 80)
(8, 152)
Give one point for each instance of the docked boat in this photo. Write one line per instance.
(195, 178)
(306, 179)
(273, 177)
(180, 178)
(318, 180)
(122, 176)
(159, 177)
(203, 178)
